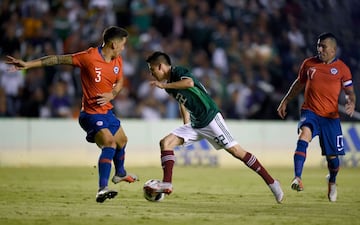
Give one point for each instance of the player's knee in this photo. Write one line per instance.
(165, 144)
(123, 141)
(162, 143)
(305, 134)
(237, 151)
(109, 142)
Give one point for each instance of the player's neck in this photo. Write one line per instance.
(330, 61)
(106, 54)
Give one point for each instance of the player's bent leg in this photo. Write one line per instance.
(167, 144)
(253, 163)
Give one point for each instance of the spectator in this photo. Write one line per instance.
(208, 36)
(59, 102)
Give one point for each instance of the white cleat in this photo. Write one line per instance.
(332, 190)
(277, 191)
(160, 187)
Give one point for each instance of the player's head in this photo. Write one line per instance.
(159, 65)
(326, 47)
(114, 32)
(115, 38)
(159, 57)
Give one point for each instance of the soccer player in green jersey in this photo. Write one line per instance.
(202, 119)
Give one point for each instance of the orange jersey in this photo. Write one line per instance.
(324, 83)
(97, 77)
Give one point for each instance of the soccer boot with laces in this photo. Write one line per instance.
(277, 191)
(160, 187)
(297, 184)
(104, 194)
(130, 178)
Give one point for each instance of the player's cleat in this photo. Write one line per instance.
(277, 191)
(160, 187)
(130, 178)
(332, 192)
(104, 194)
(297, 184)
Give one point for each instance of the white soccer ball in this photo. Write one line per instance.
(151, 195)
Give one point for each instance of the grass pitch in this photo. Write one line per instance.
(216, 196)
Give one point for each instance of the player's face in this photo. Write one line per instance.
(119, 45)
(326, 50)
(155, 70)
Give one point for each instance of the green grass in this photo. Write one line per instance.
(201, 196)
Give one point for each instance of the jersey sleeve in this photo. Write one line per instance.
(302, 74)
(347, 77)
(80, 58)
(180, 73)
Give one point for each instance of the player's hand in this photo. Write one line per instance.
(282, 109)
(104, 98)
(17, 64)
(350, 108)
(157, 84)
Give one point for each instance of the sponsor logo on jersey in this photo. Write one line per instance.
(333, 71)
(116, 70)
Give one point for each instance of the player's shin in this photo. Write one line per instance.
(119, 161)
(300, 157)
(253, 163)
(333, 166)
(167, 163)
(104, 166)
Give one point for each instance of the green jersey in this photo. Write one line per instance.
(196, 100)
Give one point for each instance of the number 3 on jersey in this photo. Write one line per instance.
(98, 74)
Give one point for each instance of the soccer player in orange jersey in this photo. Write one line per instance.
(101, 80)
(324, 77)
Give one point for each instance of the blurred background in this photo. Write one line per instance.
(246, 52)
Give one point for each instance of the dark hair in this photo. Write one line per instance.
(159, 57)
(114, 32)
(326, 35)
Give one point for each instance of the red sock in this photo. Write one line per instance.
(251, 161)
(167, 163)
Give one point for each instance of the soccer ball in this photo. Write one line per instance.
(150, 195)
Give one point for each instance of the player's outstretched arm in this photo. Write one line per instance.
(181, 84)
(50, 60)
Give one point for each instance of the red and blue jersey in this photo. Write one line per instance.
(97, 77)
(323, 85)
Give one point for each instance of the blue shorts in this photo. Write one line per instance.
(92, 123)
(329, 132)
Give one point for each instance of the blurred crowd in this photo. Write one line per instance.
(246, 52)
